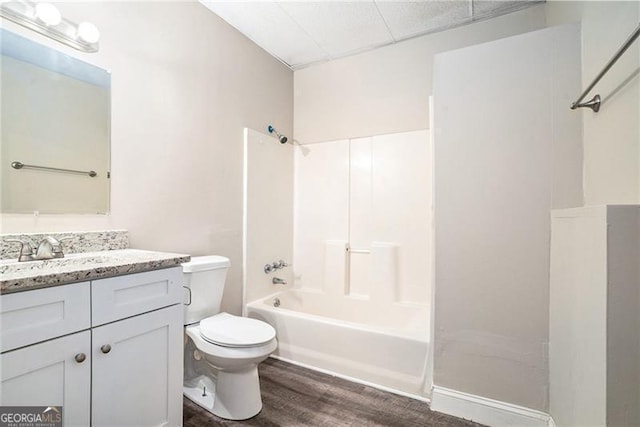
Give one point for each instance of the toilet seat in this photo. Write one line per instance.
(227, 330)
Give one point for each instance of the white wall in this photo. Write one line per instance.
(184, 85)
(611, 136)
(507, 151)
(268, 213)
(387, 90)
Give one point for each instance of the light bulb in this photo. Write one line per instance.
(88, 32)
(48, 14)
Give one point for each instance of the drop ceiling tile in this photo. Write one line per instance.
(410, 18)
(271, 28)
(340, 27)
(493, 8)
(301, 32)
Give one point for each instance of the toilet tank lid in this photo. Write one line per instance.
(203, 263)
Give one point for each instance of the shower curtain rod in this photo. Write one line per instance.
(594, 103)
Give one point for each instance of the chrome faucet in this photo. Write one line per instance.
(276, 265)
(48, 248)
(26, 251)
(278, 281)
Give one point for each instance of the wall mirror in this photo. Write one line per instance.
(54, 131)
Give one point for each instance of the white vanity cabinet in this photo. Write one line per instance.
(56, 371)
(119, 361)
(52, 373)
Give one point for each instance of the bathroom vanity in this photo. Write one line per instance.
(108, 349)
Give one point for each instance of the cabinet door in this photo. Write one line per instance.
(48, 374)
(137, 371)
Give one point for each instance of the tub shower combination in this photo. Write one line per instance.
(359, 302)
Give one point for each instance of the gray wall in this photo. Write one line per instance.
(623, 316)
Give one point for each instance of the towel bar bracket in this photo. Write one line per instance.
(595, 102)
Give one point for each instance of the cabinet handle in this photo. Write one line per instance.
(80, 357)
(188, 289)
(105, 348)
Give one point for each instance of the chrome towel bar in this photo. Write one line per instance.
(20, 165)
(594, 103)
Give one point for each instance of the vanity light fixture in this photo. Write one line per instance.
(45, 18)
(48, 14)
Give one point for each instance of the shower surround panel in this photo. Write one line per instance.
(363, 218)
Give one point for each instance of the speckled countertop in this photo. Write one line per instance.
(21, 276)
(72, 241)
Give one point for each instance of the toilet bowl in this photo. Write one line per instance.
(222, 351)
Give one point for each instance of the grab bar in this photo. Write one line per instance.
(20, 165)
(359, 251)
(594, 103)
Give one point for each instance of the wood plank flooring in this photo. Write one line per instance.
(293, 396)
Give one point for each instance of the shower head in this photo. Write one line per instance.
(283, 139)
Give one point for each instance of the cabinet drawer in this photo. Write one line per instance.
(33, 316)
(125, 296)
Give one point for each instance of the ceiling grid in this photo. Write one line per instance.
(301, 33)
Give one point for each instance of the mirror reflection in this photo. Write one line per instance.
(55, 130)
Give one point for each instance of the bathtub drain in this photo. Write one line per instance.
(276, 302)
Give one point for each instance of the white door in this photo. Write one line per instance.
(53, 373)
(137, 371)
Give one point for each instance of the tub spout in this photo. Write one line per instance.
(278, 281)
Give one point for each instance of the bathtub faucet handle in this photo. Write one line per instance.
(280, 264)
(276, 265)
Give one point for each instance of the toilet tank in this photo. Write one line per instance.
(204, 278)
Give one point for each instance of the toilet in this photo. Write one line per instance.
(221, 351)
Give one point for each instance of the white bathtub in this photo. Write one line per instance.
(383, 346)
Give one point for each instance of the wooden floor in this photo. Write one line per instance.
(295, 396)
